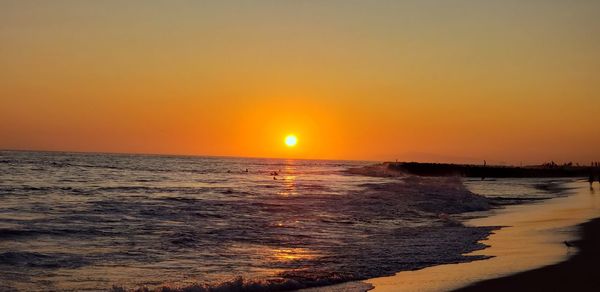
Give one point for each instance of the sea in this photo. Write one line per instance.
(100, 222)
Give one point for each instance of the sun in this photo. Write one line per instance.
(291, 140)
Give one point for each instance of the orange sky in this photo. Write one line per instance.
(460, 81)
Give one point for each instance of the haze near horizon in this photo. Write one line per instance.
(457, 81)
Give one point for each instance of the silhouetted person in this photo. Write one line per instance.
(483, 170)
(591, 180)
(246, 170)
(568, 245)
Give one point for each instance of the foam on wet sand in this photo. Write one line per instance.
(533, 237)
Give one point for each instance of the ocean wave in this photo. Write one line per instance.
(241, 284)
(430, 194)
(380, 230)
(41, 260)
(189, 220)
(377, 170)
(7, 233)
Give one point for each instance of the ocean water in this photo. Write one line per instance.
(73, 222)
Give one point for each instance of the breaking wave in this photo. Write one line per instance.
(205, 224)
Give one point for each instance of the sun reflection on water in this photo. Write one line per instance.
(275, 255)
(292, 254)
(289, 179)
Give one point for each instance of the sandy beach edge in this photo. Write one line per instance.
(578, 273)
(533, 241)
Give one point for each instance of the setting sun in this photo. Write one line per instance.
(184, 119)
(291, 140)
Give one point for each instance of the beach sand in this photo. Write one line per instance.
(579, 273)
(532, 239)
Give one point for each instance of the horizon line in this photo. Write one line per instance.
(279, 158)
(182, 155)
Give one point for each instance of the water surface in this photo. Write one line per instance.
(73, 221)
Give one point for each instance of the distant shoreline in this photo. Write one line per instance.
(490, 171)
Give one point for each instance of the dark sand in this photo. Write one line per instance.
(580, 273)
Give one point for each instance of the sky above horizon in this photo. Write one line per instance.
(457, 81)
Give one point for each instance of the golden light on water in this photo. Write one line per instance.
(291, 140)
(289, 179)
(292, 254)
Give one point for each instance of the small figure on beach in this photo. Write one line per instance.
(568, 245)
(591, 180)
(483, 171)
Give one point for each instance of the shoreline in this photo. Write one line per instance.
(532, 239)
(578, 273)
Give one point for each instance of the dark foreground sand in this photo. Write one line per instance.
(580, 273)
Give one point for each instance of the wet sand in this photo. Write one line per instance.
(579, 273)
(532, 239)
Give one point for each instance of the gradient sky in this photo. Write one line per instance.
(461, 81)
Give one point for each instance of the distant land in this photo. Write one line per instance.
(494, 171)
